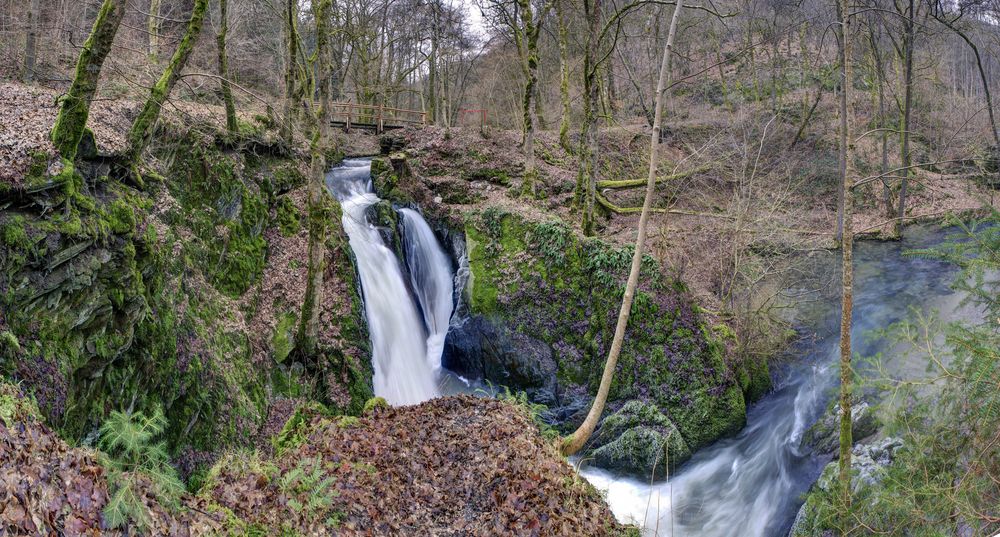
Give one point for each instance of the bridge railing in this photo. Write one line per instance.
(377, 117)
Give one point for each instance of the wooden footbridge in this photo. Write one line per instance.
(374, 118)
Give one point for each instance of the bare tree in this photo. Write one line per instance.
(30, 44)
(142, 128)
(575, 441)
(227, 91)
(847, 250)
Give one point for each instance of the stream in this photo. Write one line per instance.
(750, 484)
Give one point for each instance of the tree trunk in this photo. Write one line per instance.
(75, 107)
(907, 116)
(31, 44)
(227, 91)
(531, 69)
(882, 124)
(575, 441)
(432, 73)
(563, 74)
(154, 30)
(586, 184)
(847, 264)
(142, 128)
(842, 147)
(308, 334)
(291, 69)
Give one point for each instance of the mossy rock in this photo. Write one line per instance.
(824, 435)
(639, 440)
(289, 217)
(546, 282)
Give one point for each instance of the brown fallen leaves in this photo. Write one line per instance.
(48, 488)
(452, 466)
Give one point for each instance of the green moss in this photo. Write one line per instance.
(284, 337)
(346, 422)
(374, 403)
(15, 235)
(289, 219)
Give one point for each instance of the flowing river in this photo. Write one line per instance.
(749, 485)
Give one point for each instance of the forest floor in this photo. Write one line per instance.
(453, 466)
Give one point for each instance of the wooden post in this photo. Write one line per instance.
(348, 127)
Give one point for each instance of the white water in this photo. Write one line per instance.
(430, 275)
(406, 365)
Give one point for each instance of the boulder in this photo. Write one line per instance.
(639, 440)
(869, 463)
(824, 436)
(480, 348)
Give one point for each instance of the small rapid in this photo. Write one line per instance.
(751, 485)
(407, 332)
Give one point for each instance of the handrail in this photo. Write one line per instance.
(369, 116)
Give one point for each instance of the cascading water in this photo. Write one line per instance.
(406, 355)
(751, 485)
(430, 274)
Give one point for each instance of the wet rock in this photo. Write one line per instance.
(824, 436)
(639, 440)
(391, 142)
(869, 463)
(481, 349)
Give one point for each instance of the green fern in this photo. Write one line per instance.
(130, 449)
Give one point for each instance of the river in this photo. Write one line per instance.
(751, 485)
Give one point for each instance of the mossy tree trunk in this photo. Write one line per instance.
(563, 36)
(31, 43)
(586, 183)
(291, 68)
(908, 31)
(319, 202)
(153, 29)
(227, 91)
(575, 441)
(142, 128)
(529, 34)
(847, 263)
(75, 106)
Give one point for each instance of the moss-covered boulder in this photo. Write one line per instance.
(639, 440)
(824, 436)
(544, 281)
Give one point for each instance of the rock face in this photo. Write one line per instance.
(479, 348)
(181, 295)
(639, 440)
(824, 436)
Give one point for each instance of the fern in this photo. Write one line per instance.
(131, 449)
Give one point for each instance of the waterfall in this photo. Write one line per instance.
(430, 275)
(406, 337)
